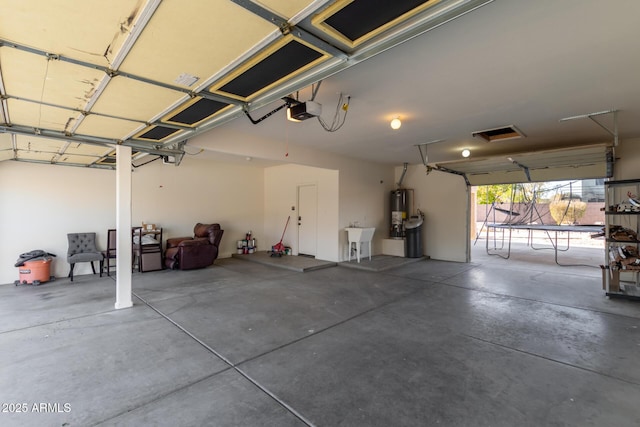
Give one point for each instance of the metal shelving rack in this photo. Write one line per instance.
(621, 214)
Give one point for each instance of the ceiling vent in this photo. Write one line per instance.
(499, 134)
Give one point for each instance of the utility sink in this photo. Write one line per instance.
(359, 235)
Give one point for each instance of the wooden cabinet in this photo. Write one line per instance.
(621, 269)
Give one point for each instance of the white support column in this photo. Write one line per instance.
(123, 225)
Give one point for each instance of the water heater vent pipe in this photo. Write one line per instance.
(404, 171)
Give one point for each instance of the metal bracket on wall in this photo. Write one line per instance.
(521, 166)
(592, 116)
(454, 172)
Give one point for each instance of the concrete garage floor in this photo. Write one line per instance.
(491, 343)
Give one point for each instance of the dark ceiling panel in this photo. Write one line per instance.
(288, 59)
(361, 17)
(158, 133)
(197, 112)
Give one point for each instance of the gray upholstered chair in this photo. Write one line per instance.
(82, 248)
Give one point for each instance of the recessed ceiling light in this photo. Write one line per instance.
(396, 123)
(466, 153)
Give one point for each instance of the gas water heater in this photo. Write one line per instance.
(399, 212)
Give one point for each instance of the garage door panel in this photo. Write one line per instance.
(593, 161)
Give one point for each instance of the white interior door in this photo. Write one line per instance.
(307, 219)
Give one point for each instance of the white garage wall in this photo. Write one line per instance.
(364, 198)
(444, 200)
(628, 164)
(40, 204)
(177, 198)
(363, 187)
(353, 191)
(280, 188)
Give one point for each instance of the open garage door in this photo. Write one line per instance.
(593, 161)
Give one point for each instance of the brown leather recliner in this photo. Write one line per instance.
(199, 251)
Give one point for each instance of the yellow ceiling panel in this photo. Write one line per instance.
(39, 156)
(284, 8)
(202, 40)
(77, 159)
(88, 149)
(35, 78)
(133, 99)
(6, 147)
(88, 30)
(41, 116)
(106, 127)
(5, 141)
(34, 143)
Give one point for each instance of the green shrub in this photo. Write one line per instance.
(567, 211)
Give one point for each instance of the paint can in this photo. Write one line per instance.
(239, 244)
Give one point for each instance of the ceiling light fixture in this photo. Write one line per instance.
(396, 123)
(466, 153)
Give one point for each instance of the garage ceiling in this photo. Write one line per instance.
(78, 77)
